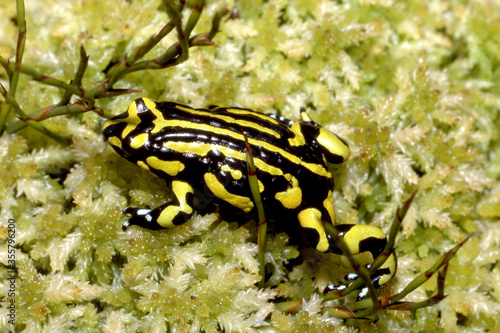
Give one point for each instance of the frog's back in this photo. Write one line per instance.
(204, 149)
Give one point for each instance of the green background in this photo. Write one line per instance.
(412, 86)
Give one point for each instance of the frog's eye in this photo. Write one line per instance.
(306, 119)
(138, 117)
(334, 149)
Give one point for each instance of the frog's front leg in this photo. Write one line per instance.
(165, 216)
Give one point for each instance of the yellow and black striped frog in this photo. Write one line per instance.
(201, 155)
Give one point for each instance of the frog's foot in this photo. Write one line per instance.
(141, 217)
(176, 212)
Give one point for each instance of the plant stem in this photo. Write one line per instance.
(14, 78)
(30, 122)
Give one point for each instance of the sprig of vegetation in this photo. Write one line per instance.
(86, 97)
(14, 75)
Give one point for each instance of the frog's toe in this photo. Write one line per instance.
(140, 217)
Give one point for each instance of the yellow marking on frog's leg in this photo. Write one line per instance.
(328, 204)
(171, 213)
(181, 189)
(367, 238)
(218, 189)
(139, 140)
(298, 139)
(333, 147)
(358, 233)
(143, 165)
(292, 196)
(236, 174)
(172, 168)
(391, 265)
(311, 218)
(115, 141)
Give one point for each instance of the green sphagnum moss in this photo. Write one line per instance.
(413, 86)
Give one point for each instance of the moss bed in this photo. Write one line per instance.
(412, 86)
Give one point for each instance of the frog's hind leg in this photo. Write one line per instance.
(366, 238)
(171, 214)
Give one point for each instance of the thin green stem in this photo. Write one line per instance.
(14, 76)
(12, 101)
(6, 66)
(56, 83)
(168, 59)
(143, 49)
(54, 111)
(30, 122)
(423, 277)
(176, 18)
(441, 280)
(216, 23)
(21, 42)
(82, 67)
(412, 306)
(173, 55)
(262, 228)
(120, 69)
(393, 232)
(194, 17)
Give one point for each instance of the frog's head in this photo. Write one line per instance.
(334, 149)
(129, 131)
